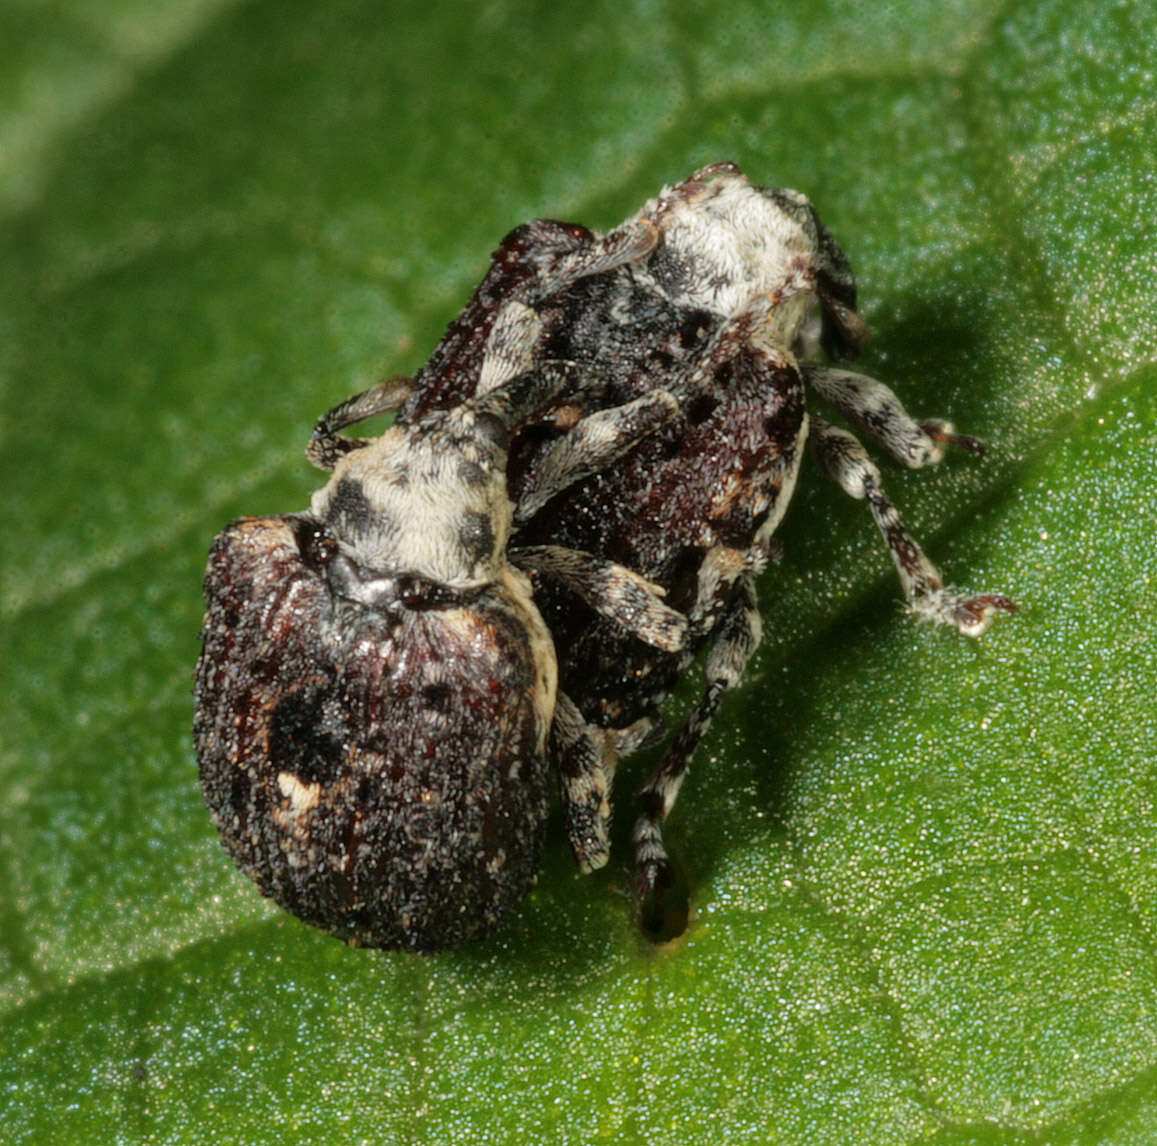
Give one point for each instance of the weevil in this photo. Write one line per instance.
(716, 292)
(376, 690)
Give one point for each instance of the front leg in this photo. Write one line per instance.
(595, 443)
(585, 757)
(847, 461)
(326, 448)
(627, 243)
(874, 409)
(613, 591)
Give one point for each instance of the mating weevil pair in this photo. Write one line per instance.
(576, 498)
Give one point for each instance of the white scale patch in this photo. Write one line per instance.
(301, 797)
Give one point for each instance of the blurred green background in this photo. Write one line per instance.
(922, 868)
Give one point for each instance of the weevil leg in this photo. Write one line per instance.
(736, 335)
(874, 410)
(326, 448)
(611, 590)
(509, 346)
(736, 638)
(843, 333)
(585, 757)
(626, 243)
(512, 398)
(596, 442)
(720, 569)
(645, 732)
(516, 399)
(846, 460)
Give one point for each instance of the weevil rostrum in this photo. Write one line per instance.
(672, 452)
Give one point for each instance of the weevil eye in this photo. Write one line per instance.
(419, 595)
(316, 546)
(491, 428)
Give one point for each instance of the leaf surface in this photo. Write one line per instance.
(923, 869)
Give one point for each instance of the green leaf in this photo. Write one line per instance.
(922, 869)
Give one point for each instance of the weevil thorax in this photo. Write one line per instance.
(728, 241)
(425, 503)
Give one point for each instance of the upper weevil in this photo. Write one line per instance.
(716, 293)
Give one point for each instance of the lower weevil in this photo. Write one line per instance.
(377, 688)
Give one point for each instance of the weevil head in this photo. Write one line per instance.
(421, 505)
(725, 241)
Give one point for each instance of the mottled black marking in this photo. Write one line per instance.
(471, 474)
(349, 510)
(301, 741)
(694, 327)
(420, 594)
(437, 697)
(476, 535)
(700, 408)
(316, 546)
